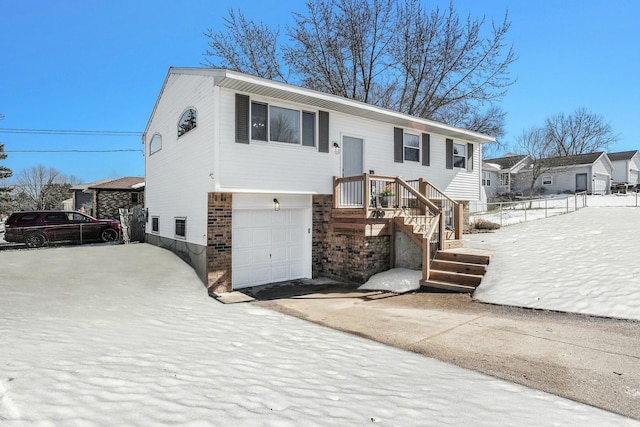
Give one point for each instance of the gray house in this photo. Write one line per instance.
(590, 172)
(626, 167)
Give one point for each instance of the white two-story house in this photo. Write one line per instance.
(253, 181)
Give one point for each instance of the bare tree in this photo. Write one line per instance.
(41, 188)
(534, 143)
(5, 173)
(245, 46)
(581, 132)
(394, 54)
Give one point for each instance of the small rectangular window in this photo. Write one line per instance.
(486, 179)
(547, 180)
(308, 129)
(459, 156)
(258, 121)
(135, 197)
(181, 227)
(411, 147)
(504, 179)
(155, 224)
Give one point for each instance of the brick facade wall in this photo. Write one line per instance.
(107, 203)
(352, 259)
(219, 236)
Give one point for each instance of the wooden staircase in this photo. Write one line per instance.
(455, 269)
(459, 270)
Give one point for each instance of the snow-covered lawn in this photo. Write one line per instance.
(516, 212)
(126, 335)
(585, 262)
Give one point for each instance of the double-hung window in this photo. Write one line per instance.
(486, 179)
(286, 125)
(459, 156)
(504, 179)
(411, 147)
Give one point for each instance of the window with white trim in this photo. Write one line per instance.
(272, 123)
(155, 224)
(156, 144)
(181, 227)
(547, 180)
(486, 179)
(411, 147)
(459, 156)
(504, 179)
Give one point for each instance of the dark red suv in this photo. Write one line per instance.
(37, 228)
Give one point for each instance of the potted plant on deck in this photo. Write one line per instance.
(385, 195)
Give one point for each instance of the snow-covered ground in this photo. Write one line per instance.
(126, 335)
(585, 262)
(517, 212)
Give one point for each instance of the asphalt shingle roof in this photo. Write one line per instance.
(126, 183)
(621, 155)
(506, 162)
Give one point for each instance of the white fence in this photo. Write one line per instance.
(507, 213)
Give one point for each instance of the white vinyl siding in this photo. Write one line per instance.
(180, 175)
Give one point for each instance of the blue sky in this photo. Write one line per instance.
(99, 65)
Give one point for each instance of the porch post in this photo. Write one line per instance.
(366, 194)
(336, 193)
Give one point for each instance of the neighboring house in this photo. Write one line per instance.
(82, 197)
(110, 196)
(254, 181)
(626, 167)
(501, 174)
(590, 172)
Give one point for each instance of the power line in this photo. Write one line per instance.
(70, 132)
(73, 151)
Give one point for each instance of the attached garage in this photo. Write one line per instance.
(634, 177)
(270, 245)
(600, 184)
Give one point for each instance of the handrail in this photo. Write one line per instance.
(418, 195)
(426, 247)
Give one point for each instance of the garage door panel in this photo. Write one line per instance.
(269, 246)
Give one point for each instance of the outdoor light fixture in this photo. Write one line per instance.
(276, 205)
(336, 148)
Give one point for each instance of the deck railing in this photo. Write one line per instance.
(416, 198)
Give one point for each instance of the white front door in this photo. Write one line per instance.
(269, 246)
(351, 156)
(352, 165)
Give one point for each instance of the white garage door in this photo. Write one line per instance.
(268, 246)
(634, 177)
(600, 184)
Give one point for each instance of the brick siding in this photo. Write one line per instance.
(219, 255)
(108, 202)
(348, 258)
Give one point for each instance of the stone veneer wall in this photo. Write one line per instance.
(219, 215)
(107, 203)
(348, 258)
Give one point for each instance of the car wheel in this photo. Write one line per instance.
(35, 240)
(109, 235)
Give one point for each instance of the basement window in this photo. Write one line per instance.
(181, 227)
(155, 224)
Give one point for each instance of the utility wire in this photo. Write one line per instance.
(73, 151)
(71, 132)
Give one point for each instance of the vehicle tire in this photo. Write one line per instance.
(35, 240)
(109, 235)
